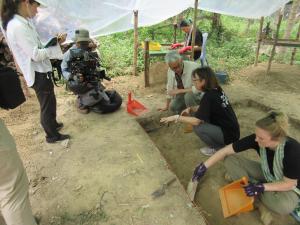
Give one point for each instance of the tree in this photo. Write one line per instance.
(216, 25)
(249, 23)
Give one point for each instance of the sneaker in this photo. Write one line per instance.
(83, 109)
(59, 126)
(208, 151)
(61, 137)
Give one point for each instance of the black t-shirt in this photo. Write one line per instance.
(198, 42)
(215, 109)
(291, 159)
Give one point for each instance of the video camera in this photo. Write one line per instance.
(84, 81)
(86, 64)
(86, 73)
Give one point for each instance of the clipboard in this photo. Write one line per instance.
(52, 42)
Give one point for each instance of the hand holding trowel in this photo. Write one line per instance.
(192, 186)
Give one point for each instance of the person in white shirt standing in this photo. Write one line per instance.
(33, 59)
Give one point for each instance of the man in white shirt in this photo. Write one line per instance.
(180, 91)
(34, 61)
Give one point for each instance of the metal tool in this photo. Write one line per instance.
(152, 129)
(162, 190)
(191, 189)
(155, 128)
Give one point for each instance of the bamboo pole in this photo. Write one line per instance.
(194, 29)
(275, 42)
(295, 49)
(259, 37)
(175, 33)
(136, 43)
(147, 64)
(175, 22)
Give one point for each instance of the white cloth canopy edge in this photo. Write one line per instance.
(112, 16)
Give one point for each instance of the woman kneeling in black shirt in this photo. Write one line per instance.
(214, 120)
(276, 178)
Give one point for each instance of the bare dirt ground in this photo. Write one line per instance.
(111, 166)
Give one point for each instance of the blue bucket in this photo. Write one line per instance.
(222, 77)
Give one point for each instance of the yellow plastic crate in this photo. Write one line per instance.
(234, 199)
(153, 46)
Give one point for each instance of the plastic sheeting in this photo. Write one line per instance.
(252, 9)
(104, 17)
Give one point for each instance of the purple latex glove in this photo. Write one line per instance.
(254, 189)
(199, 172)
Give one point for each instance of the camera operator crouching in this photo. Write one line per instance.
(81, 68)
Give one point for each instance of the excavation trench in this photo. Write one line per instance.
(181, 151)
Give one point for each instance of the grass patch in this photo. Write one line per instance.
(229, 51)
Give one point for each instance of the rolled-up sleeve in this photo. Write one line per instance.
(245, 143)
(170, 83)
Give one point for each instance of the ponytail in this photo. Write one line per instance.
(8, 9)
(276, 123)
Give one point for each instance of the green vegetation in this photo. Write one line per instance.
(232, 50)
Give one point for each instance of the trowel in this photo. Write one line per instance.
(162, 190)
(191, 189)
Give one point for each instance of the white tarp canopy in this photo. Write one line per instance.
(104, 17)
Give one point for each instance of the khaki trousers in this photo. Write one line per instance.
(14, 201)
(281, 202)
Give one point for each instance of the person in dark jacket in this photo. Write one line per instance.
(214, 120)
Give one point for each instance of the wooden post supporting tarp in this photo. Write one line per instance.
(175, 33)
(136, 43)
(175, 26)
(275, 43)
(147, 64)
(259, 38)
(294, 50)
(194, 29)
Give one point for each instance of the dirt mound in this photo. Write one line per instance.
(282, 78)
(158, 73)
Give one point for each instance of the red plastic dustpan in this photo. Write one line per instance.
(134, 107)
(234, 199)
